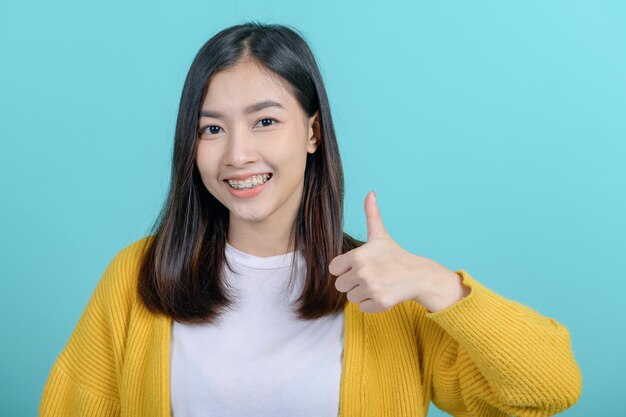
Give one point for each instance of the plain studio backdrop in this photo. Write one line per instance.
(494, 134)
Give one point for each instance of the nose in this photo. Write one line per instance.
(240, 149)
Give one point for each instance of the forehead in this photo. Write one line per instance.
(244, 83)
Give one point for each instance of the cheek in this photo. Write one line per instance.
(287, 159)
(206, 166)
(292, 148)
(204, 158)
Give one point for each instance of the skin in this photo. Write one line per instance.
(377, 275)
(380, 274)
(241, 143)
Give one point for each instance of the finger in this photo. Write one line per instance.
(341, 264)
(357, 294)
(375, 227)
(369, 306)
(346, 282)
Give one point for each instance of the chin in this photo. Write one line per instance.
(248, 217)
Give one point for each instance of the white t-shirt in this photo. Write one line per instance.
(258, 359)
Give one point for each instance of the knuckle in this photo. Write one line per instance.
(373, 287)
(362, 271)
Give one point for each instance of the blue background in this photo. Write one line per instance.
(493, 133)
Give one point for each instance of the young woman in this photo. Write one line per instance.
(249, 299)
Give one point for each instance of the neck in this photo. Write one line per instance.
(259, 240)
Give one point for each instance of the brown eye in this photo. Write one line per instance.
(210, 130)
(268, 121)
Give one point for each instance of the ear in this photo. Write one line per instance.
(315, 133)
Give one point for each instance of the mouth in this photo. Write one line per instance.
(248, 186)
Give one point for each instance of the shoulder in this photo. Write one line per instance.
(133, 252)
(129, 257)
(94, 352)
(119, 280)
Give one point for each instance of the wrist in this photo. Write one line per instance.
(443, 291)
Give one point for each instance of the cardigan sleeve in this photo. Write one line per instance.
(83, 380)
(496, 357)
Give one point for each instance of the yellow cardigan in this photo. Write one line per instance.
(483, 356)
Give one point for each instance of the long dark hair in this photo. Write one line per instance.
(181, 270)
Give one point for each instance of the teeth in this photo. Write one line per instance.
(250, 182)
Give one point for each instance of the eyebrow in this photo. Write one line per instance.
(248, 110)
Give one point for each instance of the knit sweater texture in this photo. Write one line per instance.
(484, 356)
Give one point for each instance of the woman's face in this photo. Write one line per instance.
(250, 123)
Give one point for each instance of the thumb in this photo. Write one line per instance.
(375, 227)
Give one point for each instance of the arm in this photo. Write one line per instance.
(83, 379)
(495, 357)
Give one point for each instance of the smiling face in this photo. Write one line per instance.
(251, 123)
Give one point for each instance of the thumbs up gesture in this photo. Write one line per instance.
(380, 274)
